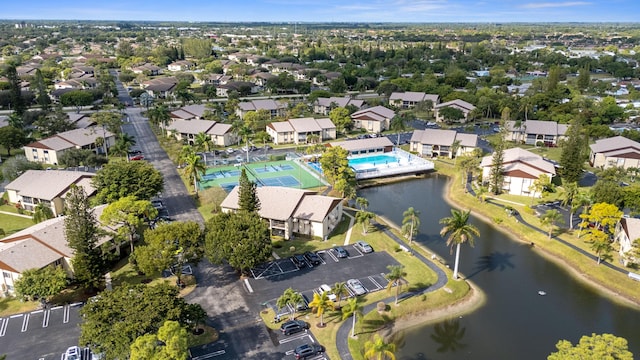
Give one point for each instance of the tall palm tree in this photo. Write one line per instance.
(584, 199)
(549, 220)
(320, 304)
(100, 142)
(398, 124)
(41, 213)
(458, 231)
(203, 143)
(362, 203)
(159, 116)
(353, 309)
(193, 169)
(396, 277)
(378, 349)
(570, 193)
(454, 151)
(364, 218)
(339, 289)
(410, 223)
(185, 152)
(289, 298)
(124, 142)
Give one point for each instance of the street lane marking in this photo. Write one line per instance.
(208, 356)
(293, 338)
(25, 323)
(249, 288)
(3, 326)
(45, 320)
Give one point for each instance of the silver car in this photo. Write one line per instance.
(356, 286)
(363, 246)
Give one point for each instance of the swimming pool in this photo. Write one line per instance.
(372, 161)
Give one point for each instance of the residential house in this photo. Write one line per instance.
(298, 130)
(181, 65)
(147, 69)
(461, 105)
(215, 79)
(293, 212)
(521, 168)
(186, 131)
(160, 87)
(36, 247)
(324, 105)
(241, 87)
(49, 150)
(48, 187)
(438, 142)
(374, 119)
(77, 84)
(380, 144)
(535, 132)
(627, 231)
(190, 112)
(276, 108)
(409, 99)
(617, 151)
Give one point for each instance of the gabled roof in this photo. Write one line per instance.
(219, 129)
(614, 144)
(538, 127)
(276, 202)
(71, 138)
(364, 144)
(414, 96)
(315, 207)
(443, 137)
(457, 102)
(50, 184)
(266, 104)
(193, 126)
(342, 101)
(378, 113)
(517, 159)
(631, 227)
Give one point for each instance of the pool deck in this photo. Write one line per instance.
(408, 164)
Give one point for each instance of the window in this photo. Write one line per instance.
(6, 275)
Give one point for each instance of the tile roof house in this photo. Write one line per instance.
(298, 130)
(186, 131)
(48, 187)
(48, 151)
(409, 99)
(617, 151)
(276, 108)
(160, 87)
(374, 119)
(324, 105)
(535, 132)
(292, 211)
(437, 142)
(180, 65)
(520, 169)
(626, 232)
(150, 69)
(461, 105)
(189, 112)
(41, 245)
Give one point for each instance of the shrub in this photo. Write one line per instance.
(381, 306)
(497, 220)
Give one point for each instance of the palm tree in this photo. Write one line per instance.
(193, 168)
(454, 151)
(185, 152)
(362, 203)
(100, 142)
(398, 124)
(549, 219)
(289, 298)
(203, 142)
(377, 349)
(320, 304)
(410, 223)
(396, 277)
(570, 193)
(124, 142)
(458, 231)
(339, 289)
(41, 213)
(584, 199)
(245, 133)
(352, 309)
(159, 116)
(364, 218)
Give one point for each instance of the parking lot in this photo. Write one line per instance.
(40, 334)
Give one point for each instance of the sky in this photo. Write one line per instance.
(416, 11)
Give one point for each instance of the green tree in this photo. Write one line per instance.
(112, 321)
(600, 244)
(241, 239)
(54, 122)
(398, 124)
(539, 186)
(596, 346)
(458, 231)
(15, 91)
(127, 214)
(193, 169)
(496, 171)
(335, 167)
(451, 114)
(410, 223)
(396, 277)
(82, 233)
(13, 167)
(571, 190)
(12, 138)
(118, 179)
(341, 118)
(584, 78)
(170, 245)
(41, 283)
(378, 349)
(339, 289)
(247, 196)
(320, 304)
(41, 213)
(159, 116)
(124, 142)
(170, 343)
(467, 164)
(353, 309)
(203, 143)
(362, 203)
(42, 97)
(364, 218)
(290, 298)
(77, 98)
(573, 154)
(549, 220)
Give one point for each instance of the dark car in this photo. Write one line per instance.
(293, 326)
(268, 147)
(306, 350)
(299, 260)
(313, 258)
(341, 252)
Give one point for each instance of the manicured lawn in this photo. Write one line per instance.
(11, 224)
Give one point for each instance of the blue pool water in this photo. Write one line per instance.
(374, 160)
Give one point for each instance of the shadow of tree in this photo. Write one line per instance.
(495, 261)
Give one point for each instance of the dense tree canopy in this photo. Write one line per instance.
(41, 283)
(596, 346)
(135, 178)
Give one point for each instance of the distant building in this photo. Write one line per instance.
(438, 142)
(409, 99)
(617, 151)
(49, 150)
(535, 132)
(324, 105)
(298, 130)
(374, 119)
(461, 105)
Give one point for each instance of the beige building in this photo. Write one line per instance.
(49, 150)
(374, 120)
(275, 108)
(461, 105)
(437, 142)
(409, 99)
(617, 151)
(521, 168)
(186, 131)
(298, 130)
(626, 232)
(324, 106)
(292, 211)
(535, 132)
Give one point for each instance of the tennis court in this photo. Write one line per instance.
(274, 173)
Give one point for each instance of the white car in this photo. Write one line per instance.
(72, 353)
(230, 150)
(431, 123)
(324, 288)
(363, 246)
(356, 286)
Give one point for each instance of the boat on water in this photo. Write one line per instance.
(542, 293)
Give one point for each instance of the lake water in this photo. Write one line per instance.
(515, 322)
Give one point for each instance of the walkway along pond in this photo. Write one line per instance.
(515, 322)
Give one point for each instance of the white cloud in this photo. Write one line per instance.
(555, 5)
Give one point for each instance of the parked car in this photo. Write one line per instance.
(324, 288)
(72, 353)
(135, 152)
(313, 258)
(293, 326)
(268, 147)
(363, 246)
(306, 350)
(431, 123)
(299, 260)
(137, 157)
(341, 252)
(230, 150)
(304, 304)
(356, 286)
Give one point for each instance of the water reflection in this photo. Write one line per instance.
(448, 334)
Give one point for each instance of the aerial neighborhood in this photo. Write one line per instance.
(197, 190)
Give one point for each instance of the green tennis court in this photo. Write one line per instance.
(273, 173)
